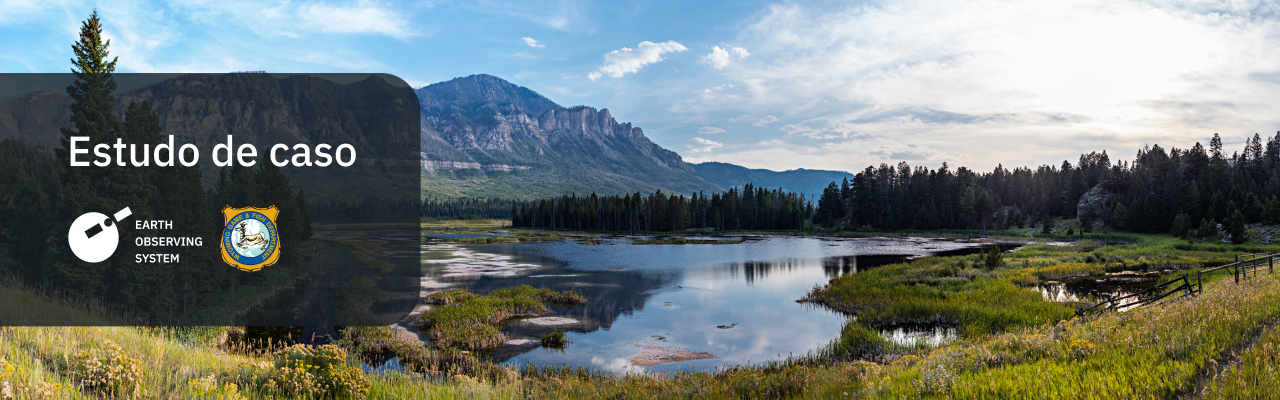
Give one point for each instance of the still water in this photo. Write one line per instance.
(736, 302)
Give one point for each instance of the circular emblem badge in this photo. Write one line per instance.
(249, 239)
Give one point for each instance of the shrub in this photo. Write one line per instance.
(555, 340)
(104, 369)
(994, 258)
(302, 371)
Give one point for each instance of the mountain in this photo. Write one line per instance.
(483, 136)
(809, 182)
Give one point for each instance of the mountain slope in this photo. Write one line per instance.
(483, 136)
(809, 182)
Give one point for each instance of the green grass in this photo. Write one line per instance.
(470, 322)
(975, 303)
(1149, 353)
(1255, 373)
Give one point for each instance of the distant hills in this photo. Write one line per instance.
(809, 182)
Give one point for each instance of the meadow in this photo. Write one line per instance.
(1011, 343)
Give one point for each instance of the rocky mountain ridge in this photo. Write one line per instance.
(484, 123)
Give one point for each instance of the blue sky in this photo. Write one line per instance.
(831, 85)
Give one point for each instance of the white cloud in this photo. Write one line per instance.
(626, 60)
(911, 153)
(710, 130)
(768, 119)
(1041, 81)
(700, 145)
(532, 43)
(720, 58)
(717, 88)
(820, 128)
(361, 18)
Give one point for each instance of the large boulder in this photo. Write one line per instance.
(1091, 207)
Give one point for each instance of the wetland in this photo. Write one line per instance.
(722, 301)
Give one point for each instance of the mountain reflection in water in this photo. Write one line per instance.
(735, 301)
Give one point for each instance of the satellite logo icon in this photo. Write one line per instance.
(94, 237)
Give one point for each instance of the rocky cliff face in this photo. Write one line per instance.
(34, 117)
(488, 121)
(370, 114)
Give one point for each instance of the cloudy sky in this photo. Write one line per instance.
(837, 85)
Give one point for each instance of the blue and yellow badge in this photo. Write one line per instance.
(249, 240)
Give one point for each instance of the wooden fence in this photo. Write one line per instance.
(1250, 267)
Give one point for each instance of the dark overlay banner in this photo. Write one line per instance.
(247, 199)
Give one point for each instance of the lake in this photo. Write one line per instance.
(734, 302)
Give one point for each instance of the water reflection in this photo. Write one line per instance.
(918, 335)
(1093, 289)
(843, 265)
(735, 301)
(1057, 292)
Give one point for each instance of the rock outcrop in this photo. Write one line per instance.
(486, 121)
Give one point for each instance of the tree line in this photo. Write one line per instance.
(1185, 192)
(752, 208)
(472, 208)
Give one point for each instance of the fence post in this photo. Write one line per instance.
(1235, 271)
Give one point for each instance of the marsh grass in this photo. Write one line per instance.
(448, 296)
(970, 298)
(966, 292)
(470, 322)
